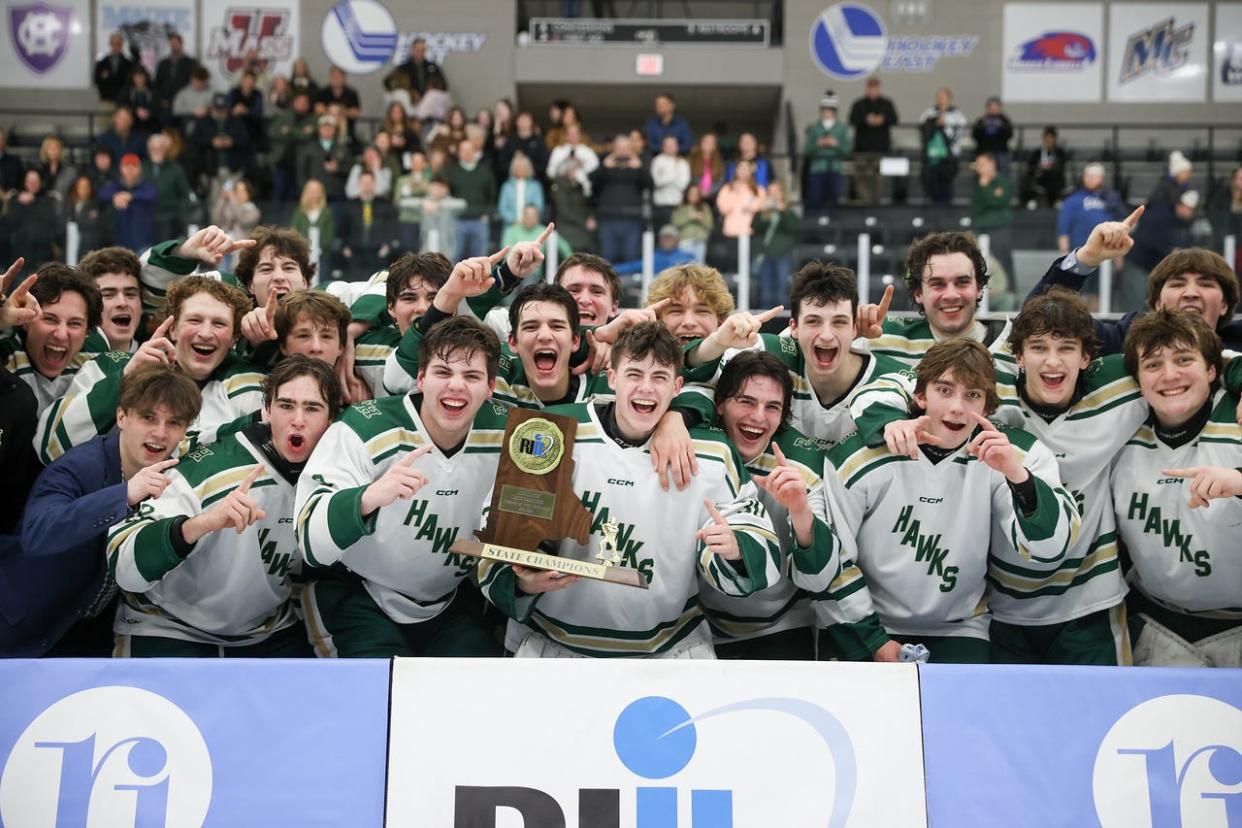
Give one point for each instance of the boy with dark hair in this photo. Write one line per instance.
(64, 603)
(194, 589)
(1182, 540)
(115, 271)
(714, 528)
(918, 524)
(197, 337)
(312, 323)
(54, 344)
(753, 399)
(365, 505)
(945, 275)
(826, 368)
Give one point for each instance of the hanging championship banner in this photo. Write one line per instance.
(1227, 66)
(230, 32)
(47, 46)
(1052, 52)
(145, 27)
(1157, 52)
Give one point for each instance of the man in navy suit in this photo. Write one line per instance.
(55, 593)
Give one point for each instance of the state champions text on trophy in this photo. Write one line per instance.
(534, 501)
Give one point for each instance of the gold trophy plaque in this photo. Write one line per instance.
(534, 501)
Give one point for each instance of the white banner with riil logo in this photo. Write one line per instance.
(231, 30)
(47, 46)
(606, 744)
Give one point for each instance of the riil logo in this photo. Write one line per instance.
(1171, 762)
(108, 757)
(656, 738)
(264, 31)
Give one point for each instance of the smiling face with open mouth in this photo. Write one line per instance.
(274, 270)
(205, 330)
(948, 404)
(54, 338)
(1175, 381)
(752, 416)
(825, 331)
(148, 436)
(122, 308)
(644, 390)
(689, 316)
(590, 289)
(949, 294)
(453, 389)
(1052, 365)
(299, 416)
(544, 341)
(1195, 293)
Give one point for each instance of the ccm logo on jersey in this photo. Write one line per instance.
(446, 492)
(931, 500)
(618, 482)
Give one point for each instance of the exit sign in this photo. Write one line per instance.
(650, 65)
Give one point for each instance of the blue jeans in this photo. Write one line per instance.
(471, 238)
(823, 189)
(621, 240)
(773, 279)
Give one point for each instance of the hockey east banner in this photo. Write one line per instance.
(654, 744)
(183, 743)
(1115, 747)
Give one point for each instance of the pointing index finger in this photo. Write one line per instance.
(1133, 218)
(11, 274)
(244, 488)
(656, 307)
(421, 451)
(780, 455)
(1183, 473)
(273, 300)
(886, 301)
(987, 424)
(498, 257)
(165, 464)
(162, 330)
(547, 231)
(714, 512)
(769, 314)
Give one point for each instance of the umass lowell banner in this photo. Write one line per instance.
(1115, 747)
(186, 743)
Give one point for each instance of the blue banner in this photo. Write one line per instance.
(188, 743)
(1039, 746)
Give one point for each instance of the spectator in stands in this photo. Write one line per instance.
(827, 145)
(194, 100)
(246, 104)
(569, 172)
(115, 271)
(991, 213)
(58, 173)
(526, 140)
(435, 103)
(667, 253)
(1225, 213)
(234, 212)
(288, 132)
(138, 95)
(93, 218)
(112, 70)
(313, 213)
(326, 159)
(992, 133)
(707, 168)
(501, 134)
(133, 199)
(369, 235)
(411, 189)
(172, 74)
(300, 78)
(748, 150)
(338, 92)
(569, 118)
(11, 166)
(220, 143)
(1088, 206)
(775, 236)
(370, 161)
(123, 138)
(403, 136)
(391, 160)
(1045, 171)
(619, 183)
(520, 190)
(670, 175)
(471, 180)
(279, 96)
(417, 71)
(103, 171)
(639, 143)
(941, 127)
(438, 212)
(447, 134)
(666, 122)
(30, 221)
(172, 188)
(1164, 226)
(694, 220)
(873, 117)
(739, 200)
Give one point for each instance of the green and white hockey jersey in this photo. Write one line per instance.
(46, 390)
(371, 352)
(925, 534)
(1184, 559)
(402, 551)
(88, 408)
(785, 604)
(656, 536)
(231, 588)
(829, 424)
(906, 340)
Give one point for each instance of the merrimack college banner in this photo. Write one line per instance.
(601, 744)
